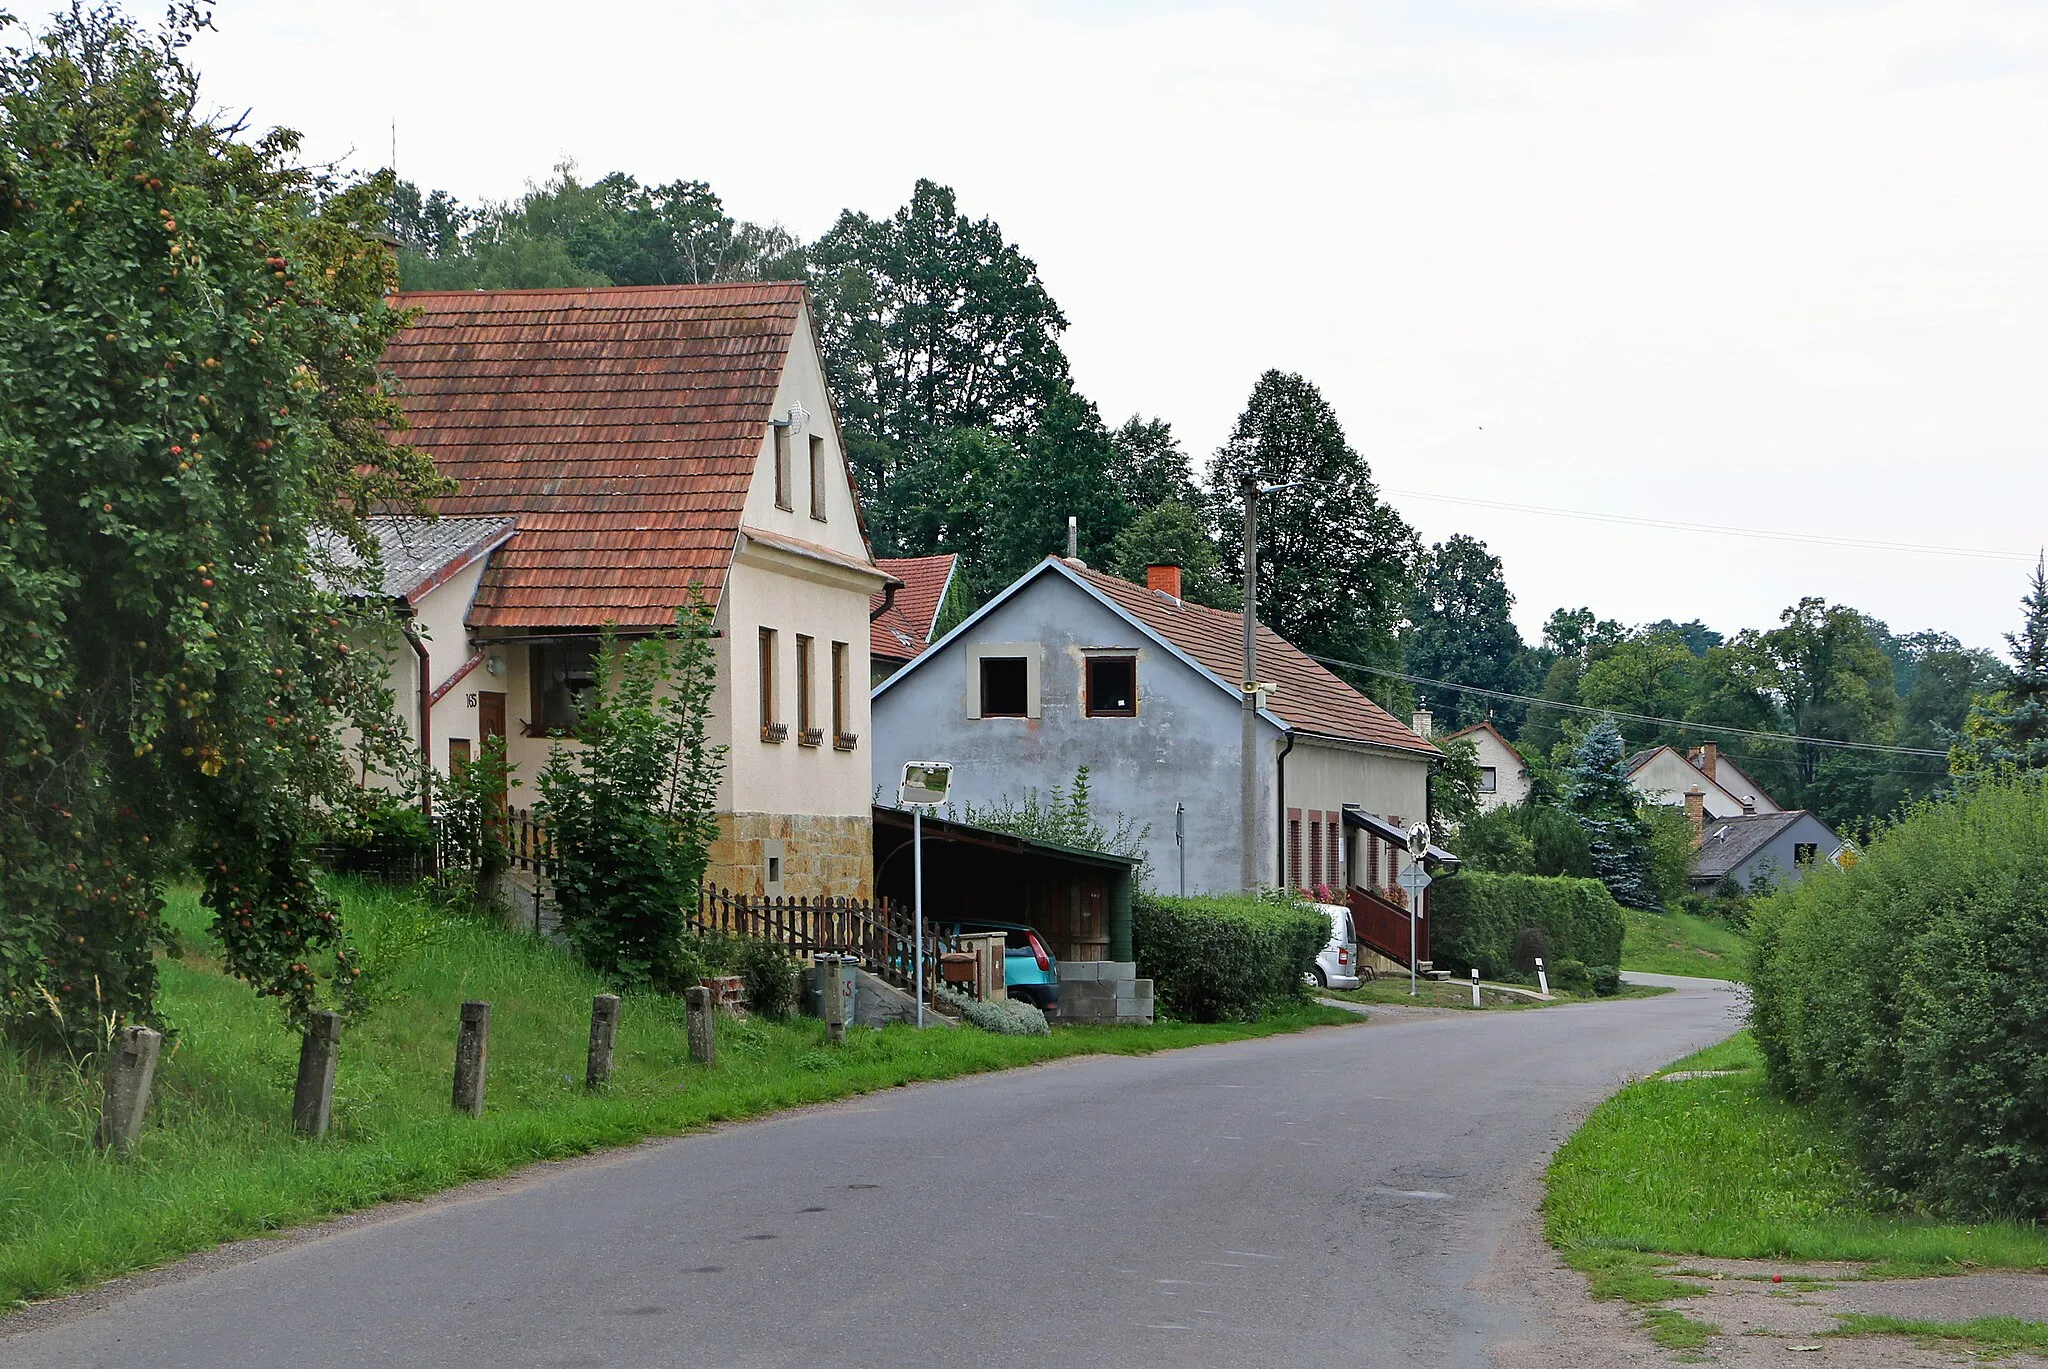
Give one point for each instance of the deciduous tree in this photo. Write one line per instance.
(1459, 630)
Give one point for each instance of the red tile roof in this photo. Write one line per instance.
(916, 610)
(1310, 699)
(619, 425)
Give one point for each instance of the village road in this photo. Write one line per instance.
(1331, 1198)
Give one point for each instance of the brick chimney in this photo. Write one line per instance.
(1421, 723)
(1709, 760)
(1696, 814)
(1164, 579)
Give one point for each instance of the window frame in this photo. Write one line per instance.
(806, 733)
(545, 661)
(1805, 855)
(773, 729)
(1088, 669)
(842, 740)
(817, 454)
(1489, 779)
(782, 472)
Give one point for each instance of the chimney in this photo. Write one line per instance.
(1696, 814)
(1710, 760)
(1421, 723)
(1073, 538)
(1749, 805)
(1164, 580)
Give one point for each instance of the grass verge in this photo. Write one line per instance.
(1721, 1167)
(1991, 1335)
(218, 1160)
(1679, 943)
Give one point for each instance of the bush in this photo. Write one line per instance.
(389, 839)
(1907, 998)
(1478, 918)
(771, 979)
(1525, 839)
(1003, 1016)
(1224, 958)
(1531, 945)
(1571, 976)
(1605, 979)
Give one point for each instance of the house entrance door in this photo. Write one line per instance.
(490, 722)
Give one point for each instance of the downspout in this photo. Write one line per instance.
(888, 599)
(419, 649)
(1280, 807)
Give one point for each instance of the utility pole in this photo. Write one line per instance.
(1248, 756)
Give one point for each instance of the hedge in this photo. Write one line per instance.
(1220, 959)
(1907, 999)
(1476, 917)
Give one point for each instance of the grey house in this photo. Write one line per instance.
(1069, 667)
(1778, 849)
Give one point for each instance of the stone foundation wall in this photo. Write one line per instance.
(822, 857)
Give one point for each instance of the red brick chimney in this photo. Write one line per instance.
(1164, 579)
(1710, 760)
(1696, 814)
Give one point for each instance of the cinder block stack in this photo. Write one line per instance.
(1100, 992)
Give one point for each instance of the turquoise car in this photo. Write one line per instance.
(1029, 969)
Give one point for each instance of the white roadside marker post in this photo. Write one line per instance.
(1475, 988)
(1542, 979)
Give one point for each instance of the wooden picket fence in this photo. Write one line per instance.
(882, 934)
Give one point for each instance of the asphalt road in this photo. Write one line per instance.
(1322, 1199)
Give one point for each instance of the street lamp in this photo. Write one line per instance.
(1248, 751)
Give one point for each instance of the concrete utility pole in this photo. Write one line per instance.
(1248, 756)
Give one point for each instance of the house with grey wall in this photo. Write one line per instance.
(1758, 849)
(1069, 667)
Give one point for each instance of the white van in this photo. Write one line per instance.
(1337, 966)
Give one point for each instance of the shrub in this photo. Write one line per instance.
(1907, 998)
(1224, 958)
(1605, 979)
(1571, 976)
(391, 838)
(1003, 1016)
(771, 979)
(1531, 945)
(1478, 917)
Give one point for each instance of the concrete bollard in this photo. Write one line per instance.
(703, 1038)
(604, 1025)
(833, 972)
(1475, 988)
(130, 1072)
(313, 1099)
(472, 1057)
(1542, 979)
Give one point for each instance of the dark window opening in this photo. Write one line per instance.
(1112, 686)
(1487, 780)
(1005, 687)
(563, 673)
(1805, 853)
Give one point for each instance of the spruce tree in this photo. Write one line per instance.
(2009, 728)
(1597, 793)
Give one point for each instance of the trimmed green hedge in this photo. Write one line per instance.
(1223, 959)
(1476, 918)
(1907, 998)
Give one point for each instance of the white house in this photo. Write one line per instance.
(1503, 774)
(1661, 774)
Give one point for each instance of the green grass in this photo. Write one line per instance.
(1641, 1280)
(218, 1160)
(1679, 943)
(1392, 990)
(1993, 1335)
(1721, 1167)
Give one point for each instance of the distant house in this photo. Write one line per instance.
(1662, 774)
(902, 624)
(1503, 774)
(1763, 849)
(616, 450)
(1069, 667)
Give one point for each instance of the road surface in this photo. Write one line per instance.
(1330, 1198)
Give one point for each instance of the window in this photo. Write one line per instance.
(1486, 779)
(1005, 687)
(817, 477)
(1315, 850)
(807, 732)
(560, 674)
(842, 740)
(1112, 687)
(1334, 864)
(782, 467)
(1805, 853)
(1294, 849)
(458, 756)
(772, 729)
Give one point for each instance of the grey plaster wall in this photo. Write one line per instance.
(1182, 747)
(1776, 855)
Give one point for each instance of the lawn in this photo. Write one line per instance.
(1680, 943)
(1721, 1167)
(218, 1160)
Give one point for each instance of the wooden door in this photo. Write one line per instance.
(490, 722)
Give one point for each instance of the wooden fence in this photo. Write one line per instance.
(882, 934)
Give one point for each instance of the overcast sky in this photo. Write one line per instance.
(1772, 266)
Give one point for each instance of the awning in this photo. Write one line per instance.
(1435, 857)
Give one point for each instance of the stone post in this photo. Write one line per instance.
(703, 1039)
(832, 973)
(130, 1072)
(472, 1057)
(313, 1099)
(604, 1024)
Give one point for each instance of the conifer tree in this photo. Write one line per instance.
(1597, 793)
(2009, 728)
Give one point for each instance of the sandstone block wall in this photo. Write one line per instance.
(822, 857)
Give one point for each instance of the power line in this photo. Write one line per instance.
(1816, 539)
(1630, 717)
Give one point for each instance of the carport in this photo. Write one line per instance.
(1078, 900)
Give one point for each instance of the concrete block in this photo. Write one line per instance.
(1117, 971)
(1079, 971)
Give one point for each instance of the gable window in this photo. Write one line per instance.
(817, 477)
(1005, 687)
(1112, 686)
(842, 740)
(1805, 853)
(1487, 779)
(807, 731)
(782, 500)
(560, 674)
(773, 729)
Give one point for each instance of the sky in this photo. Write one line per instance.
(1769, 266)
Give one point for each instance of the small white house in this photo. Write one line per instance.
(1503, 774)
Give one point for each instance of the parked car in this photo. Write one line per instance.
(1029, 969)
(1337, 966)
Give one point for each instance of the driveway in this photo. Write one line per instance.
(1331, 1198)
